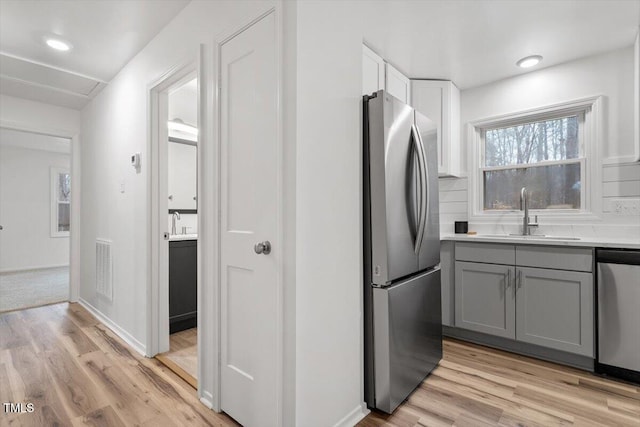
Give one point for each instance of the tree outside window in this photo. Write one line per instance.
(543, 156)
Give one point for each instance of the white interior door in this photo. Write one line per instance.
(249, 215)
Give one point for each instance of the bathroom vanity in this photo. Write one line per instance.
(183, 284)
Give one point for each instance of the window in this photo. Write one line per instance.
(544, 156)
(61, 202)
(550, 151)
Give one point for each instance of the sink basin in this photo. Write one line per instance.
(531, 237)
(178, 237)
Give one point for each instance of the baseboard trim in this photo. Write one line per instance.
(353, 417)
(124, 335)
(207, 399)
(25, 269)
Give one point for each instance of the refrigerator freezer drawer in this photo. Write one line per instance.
(407, 337)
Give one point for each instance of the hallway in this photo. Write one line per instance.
(75, 371)
(33, 288)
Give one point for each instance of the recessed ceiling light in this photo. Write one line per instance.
(529, 61)
(57, 44)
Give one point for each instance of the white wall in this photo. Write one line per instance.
(329, 314)
(611, 75)
(18, 112)
(115, 125)
(183, 103)
(25, 209)
(322, 71)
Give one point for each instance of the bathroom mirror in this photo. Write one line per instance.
(182, 176)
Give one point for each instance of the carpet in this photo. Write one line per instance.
(33, 288)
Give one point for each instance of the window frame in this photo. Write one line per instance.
(55, 172)
(589, 111)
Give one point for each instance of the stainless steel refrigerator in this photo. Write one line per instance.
(402, 319)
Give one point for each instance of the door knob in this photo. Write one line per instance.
(263, 247)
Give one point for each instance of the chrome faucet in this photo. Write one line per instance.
(524, 205)
(176, 215)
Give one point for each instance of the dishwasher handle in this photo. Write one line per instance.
(618, 256)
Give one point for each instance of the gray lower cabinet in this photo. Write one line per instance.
(521, 293)
(484, 298)
(183, 285)
(554, 308)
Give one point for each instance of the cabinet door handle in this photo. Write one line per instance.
(508, 278)
(519, 278)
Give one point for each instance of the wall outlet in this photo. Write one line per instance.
(629, 207)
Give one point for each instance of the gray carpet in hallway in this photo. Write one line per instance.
(33, 288)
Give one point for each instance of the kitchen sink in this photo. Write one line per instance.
(531, 237)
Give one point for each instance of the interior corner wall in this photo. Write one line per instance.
(25, 186)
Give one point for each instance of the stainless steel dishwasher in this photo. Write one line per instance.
(619, 313)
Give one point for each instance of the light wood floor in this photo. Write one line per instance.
(182, 357)
(477, 386)
(76, 372)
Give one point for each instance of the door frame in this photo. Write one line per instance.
(158, 264)
(74, 232)
(220, 40)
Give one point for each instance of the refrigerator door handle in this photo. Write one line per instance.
(427, 184)
(424, 194)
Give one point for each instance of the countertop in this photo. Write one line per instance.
(592, 242)
(180, 237)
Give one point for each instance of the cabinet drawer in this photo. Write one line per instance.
(554, 257)
(486, 252)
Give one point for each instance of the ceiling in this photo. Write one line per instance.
(471, 42)
(474, 42)
(105, 35)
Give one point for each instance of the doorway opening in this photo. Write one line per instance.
(177, 167)
(35, 219)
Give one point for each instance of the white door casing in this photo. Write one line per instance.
(158, 266)
(250, 199)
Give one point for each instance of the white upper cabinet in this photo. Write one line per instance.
(372, 71)
(440, 101)
(378, 74)
(397, 84)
